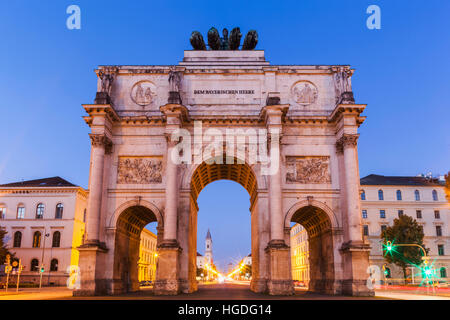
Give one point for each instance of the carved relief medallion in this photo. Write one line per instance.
(139, 170)
(143, 92)
(304, 93)
(308, 170)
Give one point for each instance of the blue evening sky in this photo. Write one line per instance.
(402, 73)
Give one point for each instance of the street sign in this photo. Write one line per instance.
(8, 269)
(15, 264)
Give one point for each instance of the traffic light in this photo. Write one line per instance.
(42, 270)
(389, 246)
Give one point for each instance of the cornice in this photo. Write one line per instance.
(101, 110)
(347, 109)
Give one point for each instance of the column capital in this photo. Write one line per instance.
(273, 114)
(176, 113)
(347, 140)
(101, 140)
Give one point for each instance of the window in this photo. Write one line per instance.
(417, 195)
(17, 239)
(380, 195)
(437, 214)
(40, 211)
(400, 213)
(20, 212)
(56, 239)
(364, 214)
(383, 228)
(399, 195)
(382, 214)
(84, 215)
(34, 265)
(435, 196)
(443, 272)
(441, 249)
(366, 230)
(59, 211)
(2, 212)
(37, 239)
(363, 195)
(438, 231)
(419, 214)
(54, 265)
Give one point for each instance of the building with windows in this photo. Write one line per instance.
(45, 221)
(299, 254)
(384, 198)
(147, 256)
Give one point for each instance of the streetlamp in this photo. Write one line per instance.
(41, 269)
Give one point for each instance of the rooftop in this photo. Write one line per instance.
(45, 182)
(379, 180)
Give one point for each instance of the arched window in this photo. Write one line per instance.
(20, 211)
(59, 211)
(54, 265)
(40, 211)
(399, 195)
(435, 196)
(380, 195)
(37, 239)
(443, 272)
(417, 195)
(56, 239)
(34, 265)
(363, 195)
(17, 239)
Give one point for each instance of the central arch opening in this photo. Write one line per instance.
(214, 195)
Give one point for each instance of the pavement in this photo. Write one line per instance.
(225, 291)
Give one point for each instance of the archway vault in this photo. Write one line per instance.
(240, 173)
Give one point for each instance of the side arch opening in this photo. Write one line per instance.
(312, 251)
(127, 253)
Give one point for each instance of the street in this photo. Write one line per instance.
(236, 290)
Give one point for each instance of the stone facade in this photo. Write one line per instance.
(285, 112)
(29, 210)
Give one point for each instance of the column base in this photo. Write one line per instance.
(280, 278)
(356, 261)
(91, 264)
(258, 285)
(167, 271)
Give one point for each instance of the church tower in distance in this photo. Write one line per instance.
(208, 248)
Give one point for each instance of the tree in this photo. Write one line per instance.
(405, 230)
(3, 249)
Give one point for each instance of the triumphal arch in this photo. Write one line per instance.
(287, 133)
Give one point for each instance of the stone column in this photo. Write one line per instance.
(277, 251)
(355, 252)
(92, 252)
(170, 223)
(101, 144)
(169, 251)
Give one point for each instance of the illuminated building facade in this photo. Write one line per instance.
(45, 221)
(147, 256)
(299, 254)
(385, 198)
